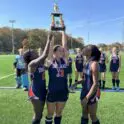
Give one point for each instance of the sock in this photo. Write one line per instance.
(57, 120)
(70, 82)
(100, 84)
(18, 81)
(76, 81)
(84, 120)
(113, 81)
(117, 83)
(48, 120)
(97, 122)
(103, 85)
(35, 121)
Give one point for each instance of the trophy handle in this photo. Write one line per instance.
(53, 21)
(61, 21)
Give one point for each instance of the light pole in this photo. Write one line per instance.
(123, 32)
(71, 40)
(13, 44)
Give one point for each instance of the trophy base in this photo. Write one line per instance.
(58, 28)
(56, 14)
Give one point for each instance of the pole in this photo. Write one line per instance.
(123, 32)
(13, 43)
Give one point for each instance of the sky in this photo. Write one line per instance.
(97, 21)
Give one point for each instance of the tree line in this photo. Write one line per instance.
(36, 37)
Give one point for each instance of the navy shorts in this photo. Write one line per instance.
(37, 94)
(102, 67)
(79, 68)
(91, 101)
(114, 68)
(57, 96)
(18, 72)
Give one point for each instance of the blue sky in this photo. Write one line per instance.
(103, 19)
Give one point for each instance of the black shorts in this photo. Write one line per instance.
(57, 96)
(18, 72)
(37, 94)
(102, 67)
(114, 68)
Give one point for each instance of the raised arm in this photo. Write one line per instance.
(64, 44)
(40, 60)
(50, 54)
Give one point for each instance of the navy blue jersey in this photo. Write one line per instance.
(88, 82)
(102, 58)
(58, 72)
(102, 64)
(38, 82)
(114, 63)
(79, 63)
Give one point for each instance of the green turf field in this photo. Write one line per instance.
(16, 109)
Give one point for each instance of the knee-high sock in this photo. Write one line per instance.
(103, 84)
(70, 82)
(57, 120)
(84, 120)
(97, 122)
(48, 120)
(117, 82)
(113, 82)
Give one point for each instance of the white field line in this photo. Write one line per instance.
(6, 76)
(7, 87)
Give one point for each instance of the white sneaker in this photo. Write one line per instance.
(113, 88)
(25, 89)
(118, 89)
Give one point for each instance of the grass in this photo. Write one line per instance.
(16, 109)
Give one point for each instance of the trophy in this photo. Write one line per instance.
(57, 20)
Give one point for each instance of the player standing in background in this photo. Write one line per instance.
(19, 65)
(115, 66)
(102, 69)
(70, 61)
(79, 61)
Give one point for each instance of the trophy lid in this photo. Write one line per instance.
(56, 8)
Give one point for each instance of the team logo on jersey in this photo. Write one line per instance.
(60, 73)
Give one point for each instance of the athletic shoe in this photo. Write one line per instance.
(71, 90)
(118, 89)
(25, 89)
(18, 86)
(113, 88)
